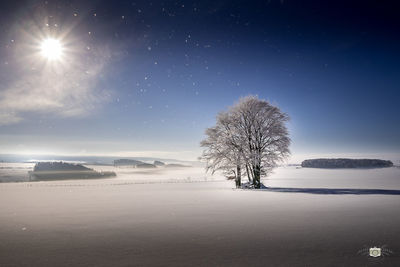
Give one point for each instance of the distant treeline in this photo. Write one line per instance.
(346, 163)
(143, 165)
(127, 162)
(63, 171)
(59, 166)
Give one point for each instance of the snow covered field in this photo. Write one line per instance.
(180, 217)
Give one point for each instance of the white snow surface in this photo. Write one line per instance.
(162, 218)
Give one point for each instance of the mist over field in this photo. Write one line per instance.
(284, 176)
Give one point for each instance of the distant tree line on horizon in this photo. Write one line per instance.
(346, 163)
(62, 170)
(143, 165)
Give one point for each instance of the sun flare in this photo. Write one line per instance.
(51, 49)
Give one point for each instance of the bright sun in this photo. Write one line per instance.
(51, 49)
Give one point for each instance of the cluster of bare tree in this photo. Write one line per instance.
(250, 138)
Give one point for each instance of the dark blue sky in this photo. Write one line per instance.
(147, 77)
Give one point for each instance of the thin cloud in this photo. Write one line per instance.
(69, 92)
(9, 118)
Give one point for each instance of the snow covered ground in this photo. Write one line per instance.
(163, 218)
(383, 178)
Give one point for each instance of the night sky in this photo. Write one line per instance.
(145, 78)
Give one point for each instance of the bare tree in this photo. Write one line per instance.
(223, 148)
(264, 135)
(251, 135)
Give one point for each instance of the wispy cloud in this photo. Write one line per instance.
(69, 91)
(9, 118)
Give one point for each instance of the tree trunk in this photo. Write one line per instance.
(257, 179)
(253, 172)
(249, 174)
(238, 176)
